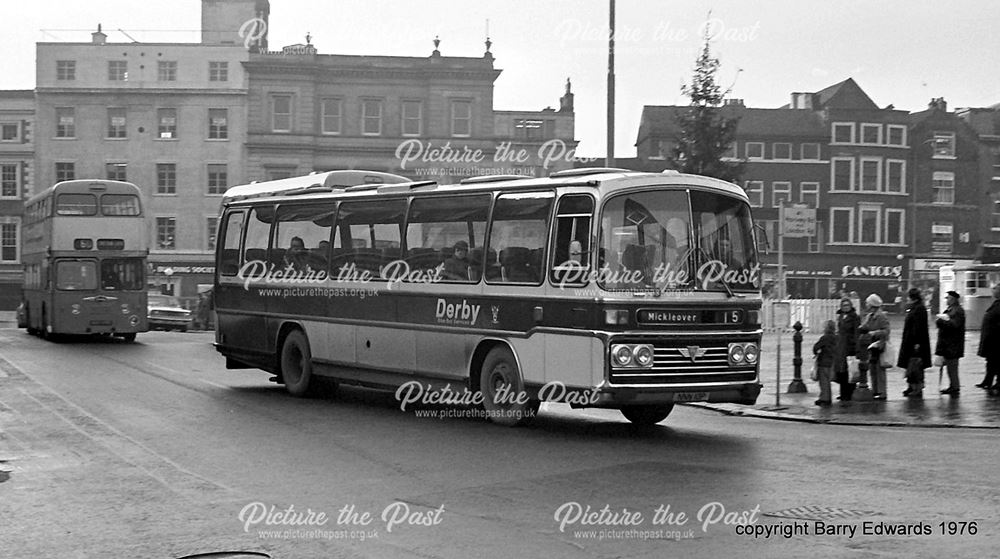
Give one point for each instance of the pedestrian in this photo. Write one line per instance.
(876, 325)
(989, 344)
(915, 348)
(848, 323)
(825, 351)
(951, 340)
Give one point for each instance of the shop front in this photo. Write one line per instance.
(184, 279)
(831, 276)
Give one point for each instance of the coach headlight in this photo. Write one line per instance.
(751, 352)
(643, 355)
(75, 309)
(621, 354)
(736, 354)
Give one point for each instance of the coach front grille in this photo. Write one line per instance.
(686, 361)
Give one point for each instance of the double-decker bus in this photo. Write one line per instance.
(85, 260)
(594, 287)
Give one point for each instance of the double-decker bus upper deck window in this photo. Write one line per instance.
(571, 244)
(120, 204)
(76, 204)
(645, 241)
(367, 237)
(258, 233)
(76, 275)
(302, 237)
(122, 274)
(229, 260)
(518, 235)
(448, 234)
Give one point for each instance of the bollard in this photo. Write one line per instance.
(797, 386)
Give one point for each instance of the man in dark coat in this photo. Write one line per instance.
(848, 323)
(916, 345)
(989, 343)
(951, 340)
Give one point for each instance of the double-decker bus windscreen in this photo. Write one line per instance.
(76, 275)
(122, 274)
(677, 239)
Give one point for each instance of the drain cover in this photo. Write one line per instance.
(821, 513)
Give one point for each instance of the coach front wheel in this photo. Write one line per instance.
(647, 415)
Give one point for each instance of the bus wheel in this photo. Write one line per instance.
(503, 391)
(647, 415)
(130, 337)
(296, 364)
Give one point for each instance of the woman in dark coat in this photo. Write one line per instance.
(916, 344)
(848, 322)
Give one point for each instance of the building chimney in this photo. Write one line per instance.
(732, 102)
(97, 37)
(804, 101)
(938, 103)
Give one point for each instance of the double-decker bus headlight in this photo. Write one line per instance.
(750, 353)
(75, 309)
(736, 354)
(622, 354)
(643, 355)
(124, 308)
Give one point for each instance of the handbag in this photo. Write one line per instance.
(888, 357)
(853, 370)
(814, 374)
(938, 361)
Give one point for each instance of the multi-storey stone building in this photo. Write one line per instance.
(17, 117)
(168, 117)
(422, 117)
(184, 121)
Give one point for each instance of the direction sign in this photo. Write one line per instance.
(799, 222)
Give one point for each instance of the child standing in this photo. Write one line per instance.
(825, 349)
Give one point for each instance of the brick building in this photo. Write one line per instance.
(833, 150)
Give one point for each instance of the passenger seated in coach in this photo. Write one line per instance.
(457, 266)
(297, 257)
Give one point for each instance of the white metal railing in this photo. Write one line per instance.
(812, 313)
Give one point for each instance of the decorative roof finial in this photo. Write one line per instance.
(308, 38)
(437, 42)
(489, 44)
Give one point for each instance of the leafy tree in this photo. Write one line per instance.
(704, 133)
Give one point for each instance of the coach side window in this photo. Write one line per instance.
(229, 259)
(258, 231)
(518, 236)
(367, 238)
(445, 237)
(571, 244)
(302, 237)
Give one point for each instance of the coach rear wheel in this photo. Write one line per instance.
(296, 365)
(129, 337)
(647, 415)
(503, 392)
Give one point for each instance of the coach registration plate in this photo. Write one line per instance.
(681, 397)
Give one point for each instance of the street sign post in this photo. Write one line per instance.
(781, 316)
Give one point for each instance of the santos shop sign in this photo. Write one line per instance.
(850, 271)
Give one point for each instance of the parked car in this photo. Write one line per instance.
(165, 312)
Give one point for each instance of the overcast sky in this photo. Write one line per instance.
(901, 52)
